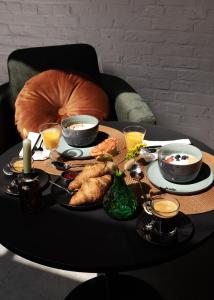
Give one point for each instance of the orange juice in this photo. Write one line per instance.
(51, 138)
(133, 138)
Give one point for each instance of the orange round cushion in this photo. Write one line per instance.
(53, 95)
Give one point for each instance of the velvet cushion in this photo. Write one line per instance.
(53, 95)
(74, 58)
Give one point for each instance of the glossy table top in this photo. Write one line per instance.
(88, 241)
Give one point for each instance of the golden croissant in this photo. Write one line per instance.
(92, 190)
(109, 146)
(91, 171)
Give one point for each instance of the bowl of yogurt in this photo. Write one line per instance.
(179, 163)
(80, 130)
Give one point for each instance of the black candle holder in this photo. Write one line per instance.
(30, 192)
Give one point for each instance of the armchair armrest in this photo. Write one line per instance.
(131, 107)
(8, 133)
(126, 103)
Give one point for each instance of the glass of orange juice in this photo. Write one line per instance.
(51, 133)
(134, 135)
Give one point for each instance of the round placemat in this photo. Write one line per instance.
(118, 159)
(189, 204)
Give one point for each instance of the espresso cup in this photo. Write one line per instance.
(163, 211)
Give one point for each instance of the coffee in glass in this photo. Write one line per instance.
(164, 211)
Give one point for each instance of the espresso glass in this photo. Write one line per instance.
(163, 211)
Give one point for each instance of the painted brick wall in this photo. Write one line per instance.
(164, 48)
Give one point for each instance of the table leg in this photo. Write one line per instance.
(113, 286)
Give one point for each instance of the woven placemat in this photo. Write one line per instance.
(118, 159)
(189, 204)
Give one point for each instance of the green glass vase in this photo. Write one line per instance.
(120, 202)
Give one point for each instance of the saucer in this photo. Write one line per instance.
(79, 152)
(203, 180)
(11, 186)
(184, 230)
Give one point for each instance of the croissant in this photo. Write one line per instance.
(92, 190)
(91, 171)
(109, 146)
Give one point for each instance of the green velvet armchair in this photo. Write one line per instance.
(125, 103)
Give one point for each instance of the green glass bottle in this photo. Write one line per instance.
(120, 202)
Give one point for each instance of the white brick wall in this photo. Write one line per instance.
(164, 48)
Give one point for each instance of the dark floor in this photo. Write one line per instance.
(188, 277)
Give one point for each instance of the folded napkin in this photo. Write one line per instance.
(163, 143)
(41, 154)
(145, 154)
(36, 139)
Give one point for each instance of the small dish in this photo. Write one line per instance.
(148, 154)
(68, 176)
(11, 186)
(16, 164)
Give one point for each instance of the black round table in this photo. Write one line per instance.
(90, 241)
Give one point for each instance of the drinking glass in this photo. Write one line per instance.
(51, 133)
(164, 210)
(134, 135)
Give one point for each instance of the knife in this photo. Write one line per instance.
(38, 141)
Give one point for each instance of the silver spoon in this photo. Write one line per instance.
(137, 174)
(61, 187)
(60, 165)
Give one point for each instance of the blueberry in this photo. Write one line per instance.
(177, 156)
(184, 157)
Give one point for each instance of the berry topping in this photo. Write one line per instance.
(184, 157)
(177, 156)
(169, 159)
